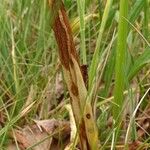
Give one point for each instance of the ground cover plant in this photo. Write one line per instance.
(74, 74)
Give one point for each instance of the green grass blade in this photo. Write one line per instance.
(81, 11)
(146, 19)
(136, 9)
(120, 59)
(95, 58)
(139, 63)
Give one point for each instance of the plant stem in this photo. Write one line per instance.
(120, 60)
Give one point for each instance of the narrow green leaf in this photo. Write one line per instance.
(139, 63)
(81, 11)
(136, 9)
(120, 59)
(95, 58)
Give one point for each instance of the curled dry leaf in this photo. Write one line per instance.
(30, 136)
(60, 128)
(73, 76)
(43, 136)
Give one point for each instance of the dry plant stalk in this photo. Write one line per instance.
(82, 110)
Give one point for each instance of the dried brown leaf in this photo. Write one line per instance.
(134, 145)
(144, 123)
(12, 147)
(60, 128)
(30, 136)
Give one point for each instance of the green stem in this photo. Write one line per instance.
(120, 60)
(146, 18)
